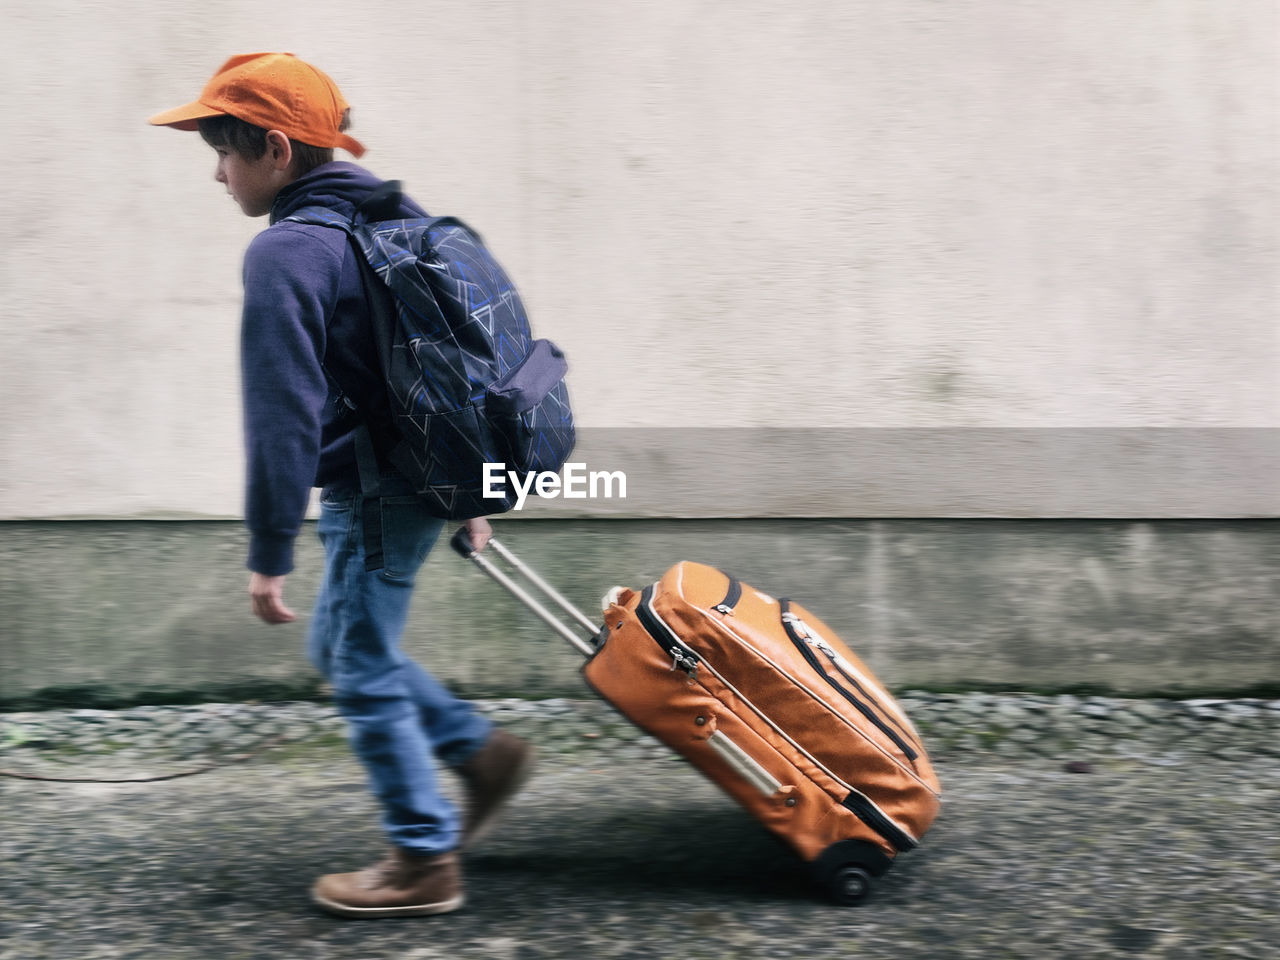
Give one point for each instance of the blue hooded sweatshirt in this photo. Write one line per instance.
(305, 312)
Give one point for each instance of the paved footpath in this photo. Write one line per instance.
(617, 851)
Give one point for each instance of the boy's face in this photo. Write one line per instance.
(251, 183)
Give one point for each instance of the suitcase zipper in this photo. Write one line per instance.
(726, 607)
(874, 817)
(731, 599)
(844, 667)
(682, 657)
(857, 803)
(806, 644)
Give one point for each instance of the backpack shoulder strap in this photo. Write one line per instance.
(368, 465)
(380, 206)
(382, 203)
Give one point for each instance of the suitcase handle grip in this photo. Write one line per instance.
(461, 543)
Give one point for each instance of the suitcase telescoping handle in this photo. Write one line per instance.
(462, 544)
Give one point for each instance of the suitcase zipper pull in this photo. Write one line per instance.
(731, 598)
(797, 624)
(815, 641)
(679, 661)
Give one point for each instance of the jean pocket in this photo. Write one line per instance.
(338, 495)
(408, 534)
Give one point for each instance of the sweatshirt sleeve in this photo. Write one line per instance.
(290, 283)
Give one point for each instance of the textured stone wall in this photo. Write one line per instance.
(120, 610)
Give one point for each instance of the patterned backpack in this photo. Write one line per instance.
(466, 382)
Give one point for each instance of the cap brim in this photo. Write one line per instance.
(350, 144)
(185, 117)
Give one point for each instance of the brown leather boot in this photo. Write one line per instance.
(402, 884)
(492, 776)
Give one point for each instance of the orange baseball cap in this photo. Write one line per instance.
(272, 90)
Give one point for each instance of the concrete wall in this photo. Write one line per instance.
(1026, 215)
(853, 259)
(114, 611)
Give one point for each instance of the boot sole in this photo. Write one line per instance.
(373, 913)
(484, 827)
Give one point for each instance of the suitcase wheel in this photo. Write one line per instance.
(849, 885)
(844, 871)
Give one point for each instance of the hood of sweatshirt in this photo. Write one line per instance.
(340, 186)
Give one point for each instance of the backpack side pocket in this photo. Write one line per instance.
(528, 408)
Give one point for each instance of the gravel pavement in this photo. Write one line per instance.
(1071, 827)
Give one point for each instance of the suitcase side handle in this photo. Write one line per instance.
(462, 545)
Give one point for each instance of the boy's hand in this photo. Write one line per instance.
(479, 531)
(267, 594)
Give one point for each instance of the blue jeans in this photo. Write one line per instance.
(400, 718)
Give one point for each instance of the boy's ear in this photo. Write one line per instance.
(279, 149)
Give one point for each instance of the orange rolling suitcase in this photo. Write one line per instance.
(767, 702)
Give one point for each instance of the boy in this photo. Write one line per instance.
(273, 121)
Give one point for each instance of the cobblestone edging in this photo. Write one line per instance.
(162, 740)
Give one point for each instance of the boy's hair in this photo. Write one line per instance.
(250, 141)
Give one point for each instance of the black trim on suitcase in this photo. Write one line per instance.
(831, 655)
(664, 636)
(731, 598)
(870, 814)
(867, 711)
